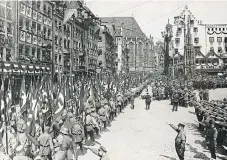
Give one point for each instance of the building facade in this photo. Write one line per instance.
(107, 48)
(138, 49)
(208, 41)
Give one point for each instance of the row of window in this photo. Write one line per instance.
(34, 52)
(36, 6)
(219, 39)
(8, 27)
(7, 3)
(196, 40)
(36, 29)
(5, 13)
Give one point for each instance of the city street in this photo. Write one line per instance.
(141, 135)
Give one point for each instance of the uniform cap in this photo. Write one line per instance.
(103, 148)
(180, 124)
(212, 121)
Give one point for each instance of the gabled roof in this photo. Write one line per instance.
(130, 27)
(212, 52)
(199, 55)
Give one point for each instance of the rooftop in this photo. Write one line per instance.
(130, 27)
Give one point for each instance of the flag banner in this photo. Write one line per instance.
(68, 14)
(23, 96)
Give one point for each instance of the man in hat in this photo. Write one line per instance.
(45, 144)
(148, 101)
(212, 135)
(103, 116)
(65, 144)
(20, 154)
(89, 126)
(101, 152)
(175, 101)
(78, 135)
(180, 140)
(113, 109)
(119, 103)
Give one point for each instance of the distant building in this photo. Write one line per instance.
(209, 42)
(159, 56)
(107, 47)
(138, 49)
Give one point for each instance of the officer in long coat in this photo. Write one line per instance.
(180, 140)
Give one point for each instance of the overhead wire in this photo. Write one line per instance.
(168, 13)
(138, 5)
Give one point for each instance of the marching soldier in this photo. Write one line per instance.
(78, 135)
(20, 154)
(65, 144)
(180, 140)
(89, 123)
(113, 112)
(103, 116)
(45, 144)
(119, 103)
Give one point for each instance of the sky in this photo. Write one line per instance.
(152, 15)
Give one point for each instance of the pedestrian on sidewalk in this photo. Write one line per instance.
(180, 140)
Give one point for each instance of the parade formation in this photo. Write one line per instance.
(78, 86)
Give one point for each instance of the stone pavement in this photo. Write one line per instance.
(144, 135)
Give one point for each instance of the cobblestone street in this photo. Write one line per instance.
(141, 135)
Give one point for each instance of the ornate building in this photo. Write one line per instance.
(208, 41)
(138, 47)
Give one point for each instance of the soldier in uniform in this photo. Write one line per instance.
(186, 99)
(113, 109)
(148, 101)
(89, 123)
(78, 135)
(175, 101)
(20, 154)
(103, 116)
(119, 103)
(65, 144)
(45, 144)
(180, 140)
(212, 138)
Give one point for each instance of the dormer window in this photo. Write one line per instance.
(192, 22)
(195, 29)
(211, 48)
(219, 49)
(196, 40)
